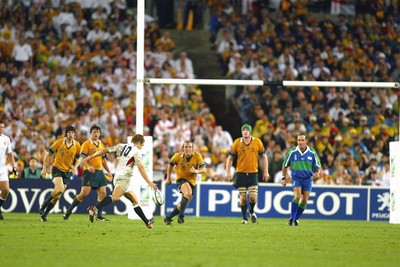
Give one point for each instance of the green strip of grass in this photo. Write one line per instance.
(205, 241)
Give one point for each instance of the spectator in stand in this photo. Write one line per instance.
(220, 140)
(385, 175)
(164, 125)
(275, 166)
(184, 66)
(165, 42)
(351, 55)
(22, 53)
(224, 49)
(32, 171)
(219, 173)
(6, 46)
(262, 123)
(96, 34)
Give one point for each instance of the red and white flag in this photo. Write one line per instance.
(344, 7)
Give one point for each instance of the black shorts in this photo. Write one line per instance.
(181, 181)
(66, 176)
(242, 179)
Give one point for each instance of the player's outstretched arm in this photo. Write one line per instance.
(98, 153)
(143, 172)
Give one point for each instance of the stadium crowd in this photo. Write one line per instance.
(350, 128)
(72, 62)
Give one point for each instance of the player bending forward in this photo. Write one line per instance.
(128, 156)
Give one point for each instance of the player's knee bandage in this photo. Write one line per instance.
(253, 190)
(242, 190)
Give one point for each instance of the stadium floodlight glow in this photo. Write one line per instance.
(271, 83)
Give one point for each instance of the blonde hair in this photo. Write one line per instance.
(138, 138)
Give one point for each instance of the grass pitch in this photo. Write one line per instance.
(205, 241)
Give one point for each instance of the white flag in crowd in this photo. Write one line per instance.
(344, 7)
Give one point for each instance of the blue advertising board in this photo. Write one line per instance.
(275, 201)
(27, 194)
(333, 202)
(379, 204)
(219, 199)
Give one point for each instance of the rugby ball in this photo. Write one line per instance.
(158, 197)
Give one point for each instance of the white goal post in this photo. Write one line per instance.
(394, 157)
(272, 83)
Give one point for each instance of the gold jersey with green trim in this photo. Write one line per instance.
(247, 155)
(89, 148)
(64, 156)
(183, 165)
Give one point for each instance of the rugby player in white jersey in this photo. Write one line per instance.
(128, 156)
(5, 153)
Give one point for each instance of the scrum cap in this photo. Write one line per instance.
(247, 126)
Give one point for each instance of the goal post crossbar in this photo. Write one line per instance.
(228, 82)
